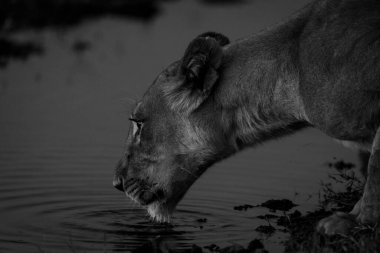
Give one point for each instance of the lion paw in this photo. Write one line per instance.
(338, 223)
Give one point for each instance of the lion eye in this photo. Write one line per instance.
(137, 125)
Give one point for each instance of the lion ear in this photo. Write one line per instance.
(198, 72)
(202, 60)
(220, 38)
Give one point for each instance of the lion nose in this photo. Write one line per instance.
(118, 183)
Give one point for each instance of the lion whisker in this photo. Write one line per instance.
(189, 172)
(129, 100)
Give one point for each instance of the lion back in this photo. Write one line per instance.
(339, 59)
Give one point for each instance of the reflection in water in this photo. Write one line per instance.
(63, 120)
(119, 235)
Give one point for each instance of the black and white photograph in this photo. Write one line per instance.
(190, 126)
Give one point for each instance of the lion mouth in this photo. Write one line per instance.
(149, 197)
(140, 192)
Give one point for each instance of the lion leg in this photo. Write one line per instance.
(364, 156)
(367, 209)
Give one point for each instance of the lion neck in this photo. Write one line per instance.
(258, 90)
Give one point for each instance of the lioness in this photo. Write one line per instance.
(321, 68)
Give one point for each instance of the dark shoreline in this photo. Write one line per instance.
(26, 15)
(38, 14)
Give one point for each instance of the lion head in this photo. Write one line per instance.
(176, 130)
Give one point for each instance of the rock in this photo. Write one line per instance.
(236, 248)
(196, 249)
(265, 229)
(280, 205)
(254, 246)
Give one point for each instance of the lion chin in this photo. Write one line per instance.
(159, 212)
(157, 205)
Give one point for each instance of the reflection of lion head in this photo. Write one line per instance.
(176, 131)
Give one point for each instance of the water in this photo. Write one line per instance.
(63, 120)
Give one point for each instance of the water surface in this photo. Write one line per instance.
(63, 121)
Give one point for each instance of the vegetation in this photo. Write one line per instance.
(303, 237)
